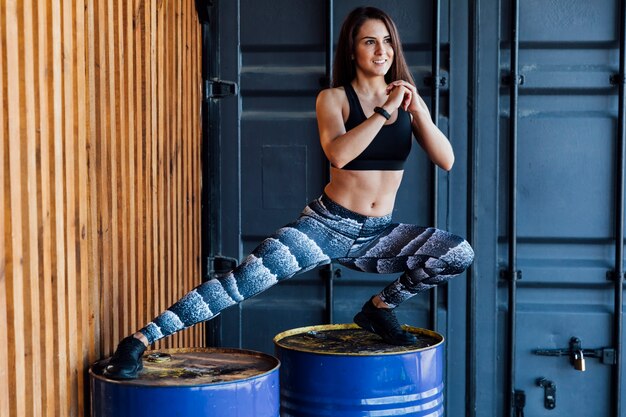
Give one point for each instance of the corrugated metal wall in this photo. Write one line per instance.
(100, 183)
(567, 116)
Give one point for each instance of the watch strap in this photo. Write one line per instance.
(382, 112)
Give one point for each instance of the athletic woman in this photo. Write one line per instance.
(366, 124)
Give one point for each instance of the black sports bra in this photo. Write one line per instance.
(390, 147)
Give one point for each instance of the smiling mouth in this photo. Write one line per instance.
(380, 61)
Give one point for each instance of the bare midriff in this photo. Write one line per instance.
(370, 193)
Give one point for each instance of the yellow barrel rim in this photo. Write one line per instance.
(173, 351)
(415, 330)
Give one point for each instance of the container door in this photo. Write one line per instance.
(273, 165)
(566, 177)
(271, 161)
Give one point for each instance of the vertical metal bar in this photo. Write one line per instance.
(329, 274)
(512, 226)
(619, 220)
(472, 185)
(211, 190)
(330, 39)
(436, 59)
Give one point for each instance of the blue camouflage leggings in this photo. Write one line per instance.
(326, 231)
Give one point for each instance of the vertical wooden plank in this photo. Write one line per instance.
(174, 277)
(184, 74)
(103, 176)
(181, 70)
(170, 37)
(83, 237)
(164, 36)
(188, 80)
(123, 105)
(5, 225)
(139, 18)
(70, 231)
(132, 224)
(182, 143)
(112, 181)
(181, 117)
(154, 226)
(195, 135)
(15, 287)
(177, 137)
(149, 99)
(44, 78)
(95, 326)
(59, 210)
(160, 137)
(31, 301)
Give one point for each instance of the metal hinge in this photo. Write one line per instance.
(507, 275)
(217, 265)
(613, 275)
(617, 79)
(439, 82)
(329, 273)
(214, 89)
(508, 78)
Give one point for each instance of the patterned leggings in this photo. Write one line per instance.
(326, 231)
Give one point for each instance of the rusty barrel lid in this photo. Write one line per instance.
(351, 340)
(196, 366)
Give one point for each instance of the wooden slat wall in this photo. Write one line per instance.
(100, 179)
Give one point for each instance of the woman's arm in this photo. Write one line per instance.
(340, 146)
(430, 138)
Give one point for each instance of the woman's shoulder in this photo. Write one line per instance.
(332, 95)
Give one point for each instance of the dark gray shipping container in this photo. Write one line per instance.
(266, 164)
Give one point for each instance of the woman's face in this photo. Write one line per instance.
(373, 50)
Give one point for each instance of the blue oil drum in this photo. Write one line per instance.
(210, 382)
(342, 370)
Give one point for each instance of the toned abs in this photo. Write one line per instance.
(370, 193)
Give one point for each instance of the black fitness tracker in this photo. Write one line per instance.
(382, 112)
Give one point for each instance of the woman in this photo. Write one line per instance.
(365, 123)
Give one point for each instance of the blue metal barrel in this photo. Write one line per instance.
(342, 370)
(191, 382)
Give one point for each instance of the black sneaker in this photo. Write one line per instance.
(126, 361)
(384, 323)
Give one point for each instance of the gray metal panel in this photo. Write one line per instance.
(566, 129)
(485, 376)
(273, 162)
(230, 120)
(415, 196)
(566, 147)
(283, 168)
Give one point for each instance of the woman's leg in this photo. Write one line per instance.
(426, 256)
(287, 252)
(295, 248)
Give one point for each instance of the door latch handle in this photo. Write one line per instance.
(549, 393)
(577, 354)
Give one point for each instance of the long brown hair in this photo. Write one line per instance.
(344, 69)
